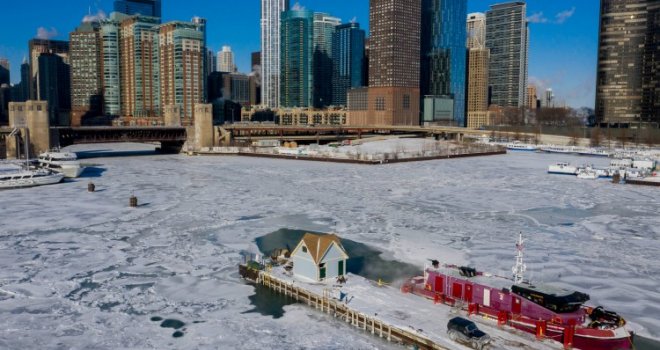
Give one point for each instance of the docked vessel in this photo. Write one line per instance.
(587, 174)
(519, 146)
(544, 310)
(61, 162)
(29, 178)
(562, 169)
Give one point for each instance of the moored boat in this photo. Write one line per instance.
(519, 146)
(61, 162)
(562, 169)
(29, 178)
(547, 311)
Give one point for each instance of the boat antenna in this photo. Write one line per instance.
(519, 268)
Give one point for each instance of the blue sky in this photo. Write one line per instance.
(563, 45)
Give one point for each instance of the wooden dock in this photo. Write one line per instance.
(327, 304)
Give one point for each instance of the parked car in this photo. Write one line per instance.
(466, 332)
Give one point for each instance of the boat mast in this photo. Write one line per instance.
(519, 268)
(27, 149)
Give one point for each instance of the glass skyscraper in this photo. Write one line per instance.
(348, 61)
(324, 27)
(443, 64)
(271, 10)
(150, 8)
(297, 41)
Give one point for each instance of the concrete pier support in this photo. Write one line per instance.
(172, 115)
(31, 118)
(203, 126)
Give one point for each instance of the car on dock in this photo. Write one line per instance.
(465, 331)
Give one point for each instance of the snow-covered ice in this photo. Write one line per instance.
(82, 270)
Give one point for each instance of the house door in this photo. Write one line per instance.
(516, 308)
(468, 293)
(340, 269)
(439, 285)
(457, 291)
(322, 272)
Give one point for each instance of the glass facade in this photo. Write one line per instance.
(324, 28)
(348, 61)
(110, 71)
(151, 8)
(296, 58)
(271, 11)
(444, 54)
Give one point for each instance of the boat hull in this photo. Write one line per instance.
(32, 182)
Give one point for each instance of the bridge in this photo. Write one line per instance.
(170, 138)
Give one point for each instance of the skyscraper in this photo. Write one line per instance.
(477, 81)
(54, 82)
(271, 11)
(200, 26)
(508, 41)
(4, 71)
(443, 56)
(628, 76)
(226, 60)
(532, 97)
(297, 39)
(85, 58)
(37, 47)
(149, 8)
(324, 27)
(394, 66)
(139, 67)
(110, 29)
(348, 59)
(181, 58)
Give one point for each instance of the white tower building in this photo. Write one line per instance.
(271, 11)
(226, 60)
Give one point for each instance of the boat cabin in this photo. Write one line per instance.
(319, 257)
(558, 300)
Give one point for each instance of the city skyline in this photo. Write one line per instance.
(561, 32)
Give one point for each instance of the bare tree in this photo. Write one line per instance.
(595, 137)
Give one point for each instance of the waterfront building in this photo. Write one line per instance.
(4, 71)
(532, 97)
(296, 58)
(200, 25)
(86, 61)
(324, 28)
(348, 61)
(319, 257)
(110, 70)
(508, 40)
(443, 57)
(21, 92)
(271, 11)
(139, 67)
(37, 47)
(226, 60)
(477, 80)
(182, 72)
(628, 76)
(148, 8)
(54, 82)
(392, 97)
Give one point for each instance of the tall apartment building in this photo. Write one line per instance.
(4, 71)
(508, 41)
(110, 71)
(324, 27)
(54, 82)
(296, 77)
(139, 67)
(394, 66)
(532, 97)
(200, 26)
(628, 76)
(477, 80)
(37, 47)
(181, 57)
(271, 11)
(226, 60)
(443, 59)
(348, 61)
(147, 8)
(86, 62)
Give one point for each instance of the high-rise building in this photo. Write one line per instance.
(148, 8)
(255, 59)
(532, 97)
(37, 47)
(394, 66)
(200, 25)
(255, 79)
(21, 91)
(139, 67)
(226, 60)
(110, 29)
(54, 82)
(348, 59)
(443, 56)
(86, 61)
(477, 80)
(296, 77)
(271, 11)
(324, 27)
(508, 40)
(181, 58)
(628, 76)
(549, 99)
(4, 71)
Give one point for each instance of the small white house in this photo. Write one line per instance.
(319, 257)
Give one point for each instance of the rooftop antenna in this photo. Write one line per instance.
(519, 268)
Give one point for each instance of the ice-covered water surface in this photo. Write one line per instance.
(83, 270)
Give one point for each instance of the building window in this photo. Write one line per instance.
(304, 249)
(406, 101)
(380, 103)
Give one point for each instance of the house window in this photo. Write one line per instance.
(380, 103)
(406, 101)
(304, 249)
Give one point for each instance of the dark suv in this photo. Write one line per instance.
(466, 332)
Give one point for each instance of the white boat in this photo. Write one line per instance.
(519, 146)
(594, 152)
(29, 178)
(587, 174)
(62, 162)
(562, 169)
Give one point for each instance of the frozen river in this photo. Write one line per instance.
(82, 270)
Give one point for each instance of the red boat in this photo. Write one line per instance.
(546, 311)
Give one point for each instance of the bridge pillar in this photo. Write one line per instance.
(39, 125)
(16, 120)
(172, 115)
(203, 126)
